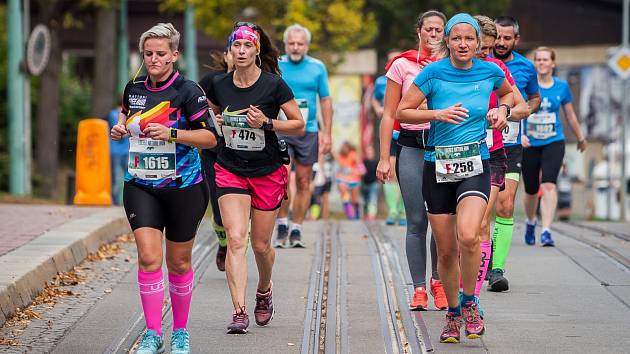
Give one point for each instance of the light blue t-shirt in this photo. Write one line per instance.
(307, 79)
(444, 85)
(524, 73)
(380, 84)
(552, 99)
(117, 147)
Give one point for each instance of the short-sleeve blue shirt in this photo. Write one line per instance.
(524, 73)
(380, 84)
(444, 85)
(307, 79)
(552, 99)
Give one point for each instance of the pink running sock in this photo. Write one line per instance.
(180, 287)
(151, 286)
(486, 251)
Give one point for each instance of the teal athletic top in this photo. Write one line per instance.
(307, 79)
(444, 85)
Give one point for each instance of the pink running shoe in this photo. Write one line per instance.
(473, 322)
(450, 333)
(263, 312)
(240, 322)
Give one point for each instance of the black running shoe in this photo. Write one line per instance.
(497, 282)
(295, 239)
(282, 237)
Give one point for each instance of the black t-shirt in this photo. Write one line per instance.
(176, 103)
(268, 93)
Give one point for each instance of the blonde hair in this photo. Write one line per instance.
(161, 31)
(488, 28)
(546, 49)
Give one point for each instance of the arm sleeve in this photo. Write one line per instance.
(125, 99)
(322, 85)
(395, 73)
(283, 92)
(532, 84)
(567, 97)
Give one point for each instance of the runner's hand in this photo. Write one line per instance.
(219, 121)
(255, 117)
(454, 114)
(525, 141)
(582, 144)
(157, 131)
(383, 170)
(118, 132)
(325, 142)
(497, 120)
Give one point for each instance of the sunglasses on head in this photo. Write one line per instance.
(244, 23)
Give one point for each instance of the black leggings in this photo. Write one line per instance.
(176, 211)
(208, 158)
(547, 158)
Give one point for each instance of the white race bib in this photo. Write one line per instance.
(489, 137)
(457, 162)
(511, 131)
(302, 105)
(239, 135)
(151, 159)
(541, 125)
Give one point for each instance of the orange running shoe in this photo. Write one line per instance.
(439, 296)
(420, 300)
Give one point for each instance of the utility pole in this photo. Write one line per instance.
(15, 100)
(123, 49)
(190, 51)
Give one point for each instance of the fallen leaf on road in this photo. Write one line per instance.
(107, 291)
(290, 344)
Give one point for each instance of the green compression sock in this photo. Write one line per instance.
(501, 241)
(392, 194)
(220, 231)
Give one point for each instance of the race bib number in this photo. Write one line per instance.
(457, 162)
(541, 125)
(511, 131)
(151, 159)
(302, 105)
(489, 137)
(240, 136)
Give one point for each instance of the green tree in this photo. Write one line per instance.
(397, 18)
(338, 26)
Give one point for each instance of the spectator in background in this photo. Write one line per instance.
(119, 151)
(322, 184)
(369, 184)
(349, 173)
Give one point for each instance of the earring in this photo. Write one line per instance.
(259, 60)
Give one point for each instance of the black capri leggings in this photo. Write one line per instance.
(176, 211)
(541, 164)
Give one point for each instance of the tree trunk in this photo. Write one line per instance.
(47, 162)
(104, 63)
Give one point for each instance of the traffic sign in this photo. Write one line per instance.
(620, 62)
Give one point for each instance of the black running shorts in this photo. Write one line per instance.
(442, 198)
(175, 211)
(514, 157)
(498, 168)
(541, 164)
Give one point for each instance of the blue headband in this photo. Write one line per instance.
(462, 18)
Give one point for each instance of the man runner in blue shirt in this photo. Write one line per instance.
(524, 74)
(308, 79)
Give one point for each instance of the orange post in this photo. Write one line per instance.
(93, 176)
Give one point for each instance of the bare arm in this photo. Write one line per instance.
(377, 107)
(199, 138)
(294, 125)
(533, 101)
(393, 91)
(408, 111)
(520, 109)
(569, 113)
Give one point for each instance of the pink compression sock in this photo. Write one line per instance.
(180, 287)
(151, 286)
(486, 251)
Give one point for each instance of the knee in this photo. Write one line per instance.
(178, 266)
(303, 183)
(448, 255)
(505, 208)
(149, 262)
(548, 188)
(261, 247)
(468, 240)
(236, 239)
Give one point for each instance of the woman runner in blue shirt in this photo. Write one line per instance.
(456, 180)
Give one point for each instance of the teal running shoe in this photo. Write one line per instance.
(151, 343)
(180, 342)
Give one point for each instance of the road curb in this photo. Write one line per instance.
(26, 270)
